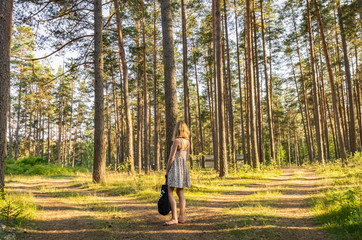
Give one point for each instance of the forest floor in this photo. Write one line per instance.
(274, 208)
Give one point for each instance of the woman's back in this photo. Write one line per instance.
(179, 176)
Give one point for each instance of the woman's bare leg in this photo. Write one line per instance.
(181, 197)
(172, 200)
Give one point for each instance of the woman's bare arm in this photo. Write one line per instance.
(175, 144)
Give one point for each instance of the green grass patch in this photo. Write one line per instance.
(147, 187)
(17, 209)
(38, 166)
(338, 209)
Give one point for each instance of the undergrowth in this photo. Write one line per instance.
(17, 208)
(339, 209)
(37, 166)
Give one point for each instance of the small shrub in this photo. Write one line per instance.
(17, 208)
(10, 211)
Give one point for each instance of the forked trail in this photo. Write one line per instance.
(232, 215)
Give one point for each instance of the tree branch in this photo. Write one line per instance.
(73, 40)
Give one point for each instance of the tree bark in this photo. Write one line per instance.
(352, 126)
(75, 137)
(60, 120)
(146, 157)
(185, 74)
(331, 81)
(300, 107)
(199, 111)
(129, 125)
(139, 100)
(310, 142)
(216, 118)
(239, 78)
(315, 88)
(259, 107)
(99, 160)
(268, 91)
(109, 143)
(170, 74)
(221, 95)
(230, 103)
(19, 104)
(157, 120)
(10, 131)
(254, 142)
(6, 13)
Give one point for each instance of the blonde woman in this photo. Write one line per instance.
(177, 171)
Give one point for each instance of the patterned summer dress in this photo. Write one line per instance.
(178, 175)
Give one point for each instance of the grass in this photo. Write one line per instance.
(38, 166)
(147, 187)
(17, 209)
(80, 192)
(338, 209)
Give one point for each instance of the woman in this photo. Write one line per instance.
(177, 171)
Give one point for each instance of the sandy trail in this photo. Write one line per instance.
(137, 219)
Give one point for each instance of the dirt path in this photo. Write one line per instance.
(107, 217)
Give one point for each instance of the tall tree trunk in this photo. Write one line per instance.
(156, 112)
(352, 127)
(301, 108)
(211, 105)
(43, 133)
(247, 108)
(185, 74)
(129, 125)
(75, 137)
(139, 99)
(109, 143)
(60, 119)
(239, 78)
(6, 13)
(116, 123)
(10, 131)
(30, 133)
(325, 106)
(145, 98)
(310, 142)
(48, 140)
(99, 161)
(199, 111)
(221, 94)
(170, 74)
(315, 89)
(321, 95)
(216, 118)
(19, 104)
(331, 81)
(268, 91)
(230, 103)
(358, 99)
(71, 123)
(259, 107)
(254, 142)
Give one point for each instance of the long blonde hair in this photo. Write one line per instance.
(181, 131)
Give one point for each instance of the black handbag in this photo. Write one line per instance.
(163, 202)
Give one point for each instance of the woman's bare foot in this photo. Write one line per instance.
(171, 222)
(181, 220)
